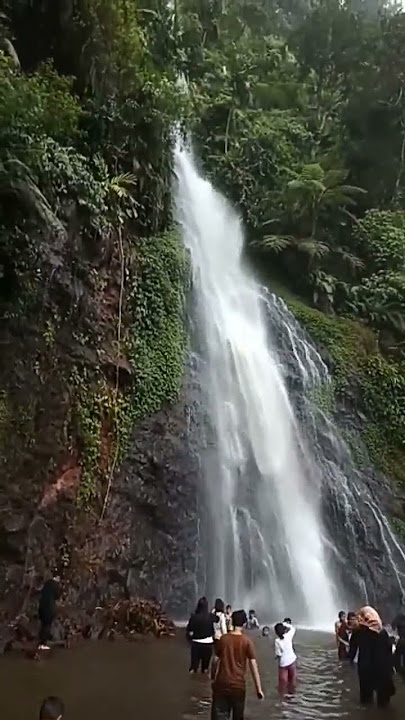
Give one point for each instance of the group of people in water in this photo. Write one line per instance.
(362, 639)
(218, 643)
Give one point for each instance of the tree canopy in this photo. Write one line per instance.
(297, 111)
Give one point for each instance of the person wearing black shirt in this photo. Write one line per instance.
(50, 593)
(374, 665)
(200, 632)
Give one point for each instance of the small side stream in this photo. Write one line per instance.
(148, 680)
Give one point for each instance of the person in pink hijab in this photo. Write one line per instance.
(375, 663)
(368, 617)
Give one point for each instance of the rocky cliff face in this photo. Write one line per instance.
(93, 342)
(146, 544)
(68, 390)
(154, 506)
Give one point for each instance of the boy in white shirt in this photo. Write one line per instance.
(287, 666)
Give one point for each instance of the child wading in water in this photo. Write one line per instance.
(287, 667)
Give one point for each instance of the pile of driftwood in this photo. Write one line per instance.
(129, 619)
(126, 619)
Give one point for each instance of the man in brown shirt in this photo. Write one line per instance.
(233, 652)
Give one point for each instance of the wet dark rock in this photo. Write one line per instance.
(147, 542)
(11, 522)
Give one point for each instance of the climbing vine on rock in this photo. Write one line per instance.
(156, 339)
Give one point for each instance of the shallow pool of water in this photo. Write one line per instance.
(148, 680)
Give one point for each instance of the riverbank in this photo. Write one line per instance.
(128, 619)
(149, 680)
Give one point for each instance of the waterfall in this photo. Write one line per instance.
(367, 556)
(265, 543)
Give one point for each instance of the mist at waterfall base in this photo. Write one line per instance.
(264, 541)
(287, 523)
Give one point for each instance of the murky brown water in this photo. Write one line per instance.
(149, 681)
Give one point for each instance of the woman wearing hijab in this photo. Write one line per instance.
(374, 664)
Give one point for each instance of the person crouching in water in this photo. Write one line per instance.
(200, 632)
(287, 659)
(50, 593)
(233, 652)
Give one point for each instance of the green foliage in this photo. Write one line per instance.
(323, 396)
(298, 113)
(304, 201)
(293, 126)
(380, 296)
(157, 339)
(263, 149)
(399, 527)
(303, 127)
(85, 169)
(381, 235)
(92, 403)
(33, 106)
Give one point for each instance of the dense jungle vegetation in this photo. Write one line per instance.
(297, 111)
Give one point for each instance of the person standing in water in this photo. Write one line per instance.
(253, 623)
(342, 638)
(200, 632)
(228, 617)
(232, 654)
(352, 628)
(50, 593)
(218, 612)
(285, 654)
(375, 662)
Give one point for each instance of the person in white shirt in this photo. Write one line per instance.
(218, 613)
(285, 654)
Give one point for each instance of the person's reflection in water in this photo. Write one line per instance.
(375, 662)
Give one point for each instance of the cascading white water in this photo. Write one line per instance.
(265, 538)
